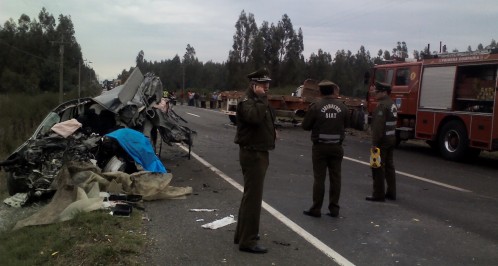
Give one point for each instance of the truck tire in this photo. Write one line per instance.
(354, 116)
(351, 121)
(233, 119)
(453, 141)
(360, 120)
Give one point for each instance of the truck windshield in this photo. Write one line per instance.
(384, 75)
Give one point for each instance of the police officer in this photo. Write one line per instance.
(327, 120)
(384, 137)
(255, 136)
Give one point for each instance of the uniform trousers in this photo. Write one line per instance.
(254, 165)
(384, 174)
(326, 156)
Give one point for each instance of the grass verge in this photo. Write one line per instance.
(94, 238)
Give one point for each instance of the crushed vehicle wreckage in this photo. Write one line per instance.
(137, 105)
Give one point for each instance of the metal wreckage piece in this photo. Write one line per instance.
(33, 166)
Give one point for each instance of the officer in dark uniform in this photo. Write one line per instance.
(327, 120)
(384, 137)
(255, 136)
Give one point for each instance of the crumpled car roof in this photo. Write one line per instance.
(33, 166)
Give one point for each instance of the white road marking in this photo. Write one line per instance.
(336, 257)
(193, 114)
(415, 177)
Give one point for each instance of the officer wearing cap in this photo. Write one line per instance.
(327, 120)
(255, 137)
(384, 137)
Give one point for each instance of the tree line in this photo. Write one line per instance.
(30, 55)
(30, 59)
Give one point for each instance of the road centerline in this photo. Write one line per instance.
(193, 114)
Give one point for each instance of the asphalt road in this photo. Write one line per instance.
(446, 212)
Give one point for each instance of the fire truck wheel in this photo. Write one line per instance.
(233, 119)
(453, 141)
(360, 120)
(357, 119)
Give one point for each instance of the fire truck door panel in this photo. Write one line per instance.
(400, 88)
(437, 87)
(480, 131)
(405, 89)
(424, 127)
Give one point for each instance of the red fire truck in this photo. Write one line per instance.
(449, 100)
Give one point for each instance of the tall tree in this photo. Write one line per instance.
(244, 40)
(319, 65)
(140, 60)
(400, 51)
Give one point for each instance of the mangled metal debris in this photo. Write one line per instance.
(137, 104)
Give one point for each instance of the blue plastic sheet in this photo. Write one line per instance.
(139, 147)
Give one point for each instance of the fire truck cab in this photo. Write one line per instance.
(449, 100)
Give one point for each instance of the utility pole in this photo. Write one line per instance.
(79, 81)
(183, 83)
(61, 67)
(79, 76)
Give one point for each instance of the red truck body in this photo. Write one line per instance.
(448, 99)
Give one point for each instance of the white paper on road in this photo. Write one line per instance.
(219, 223)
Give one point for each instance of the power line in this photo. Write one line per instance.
(27, 53)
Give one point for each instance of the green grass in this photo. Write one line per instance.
(94, 238)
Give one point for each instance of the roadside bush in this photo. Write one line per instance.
(20, 114)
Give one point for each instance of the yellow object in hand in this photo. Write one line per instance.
(375, 157)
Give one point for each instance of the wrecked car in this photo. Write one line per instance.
(137, 104)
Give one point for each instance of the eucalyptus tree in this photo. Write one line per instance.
(318, 65)
(246, 31)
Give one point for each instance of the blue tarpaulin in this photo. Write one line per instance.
(139, 147)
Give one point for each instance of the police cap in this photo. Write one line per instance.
(379, 86)
(327, 87)
(260, 75)
(327, 83)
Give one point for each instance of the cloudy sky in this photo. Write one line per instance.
(112, 32)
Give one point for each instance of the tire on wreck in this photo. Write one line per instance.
(15, 186)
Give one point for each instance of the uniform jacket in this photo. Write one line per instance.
(326, 119)
(384, 122)
(255, 123)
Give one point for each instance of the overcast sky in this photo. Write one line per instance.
(112, 32)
